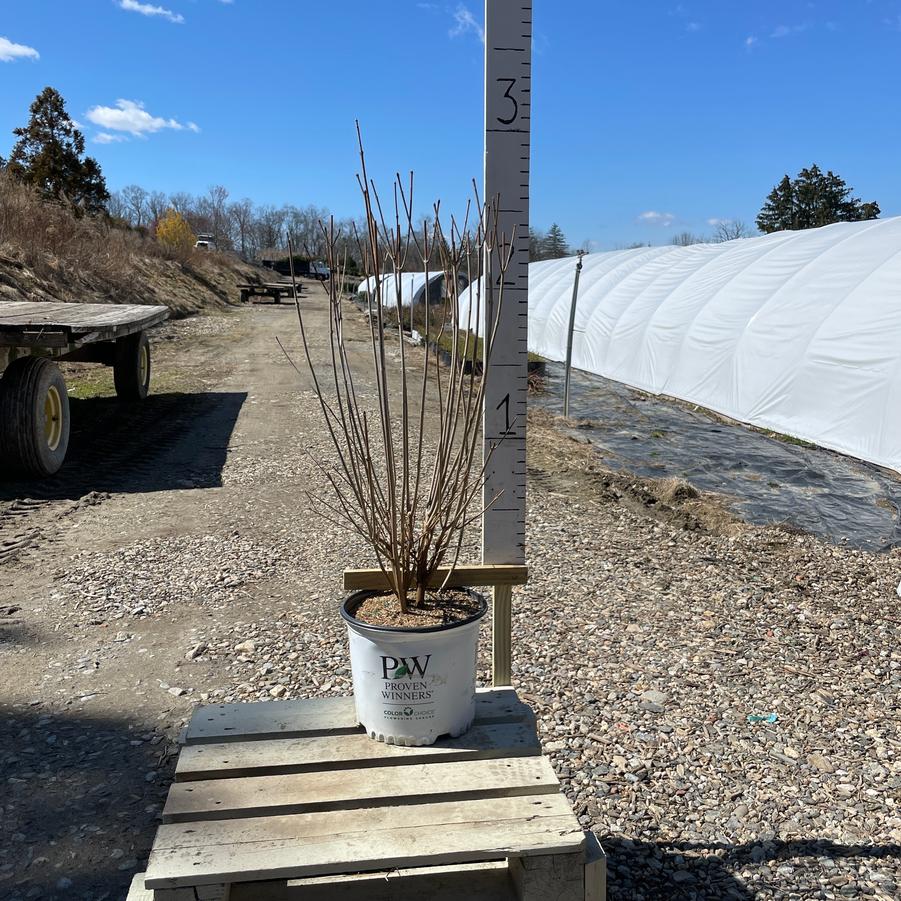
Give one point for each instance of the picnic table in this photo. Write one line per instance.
(275, 290)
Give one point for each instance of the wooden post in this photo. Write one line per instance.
(502, 638)
(508, 87)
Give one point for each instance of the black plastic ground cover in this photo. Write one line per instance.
(768, 480)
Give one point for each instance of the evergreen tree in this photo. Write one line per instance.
(536, 239)
(810, 200)
(50, 156)
(554, 244)
(778, 212)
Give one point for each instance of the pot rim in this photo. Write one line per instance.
(353, 600)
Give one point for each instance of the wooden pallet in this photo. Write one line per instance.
(291, 800)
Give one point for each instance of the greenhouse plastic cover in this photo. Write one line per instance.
(797, 331)
(412, 285)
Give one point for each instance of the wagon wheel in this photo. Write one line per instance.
(34, 416)
(131, 368)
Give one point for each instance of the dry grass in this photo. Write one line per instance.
(46, 252)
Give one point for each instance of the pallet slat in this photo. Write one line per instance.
(137, 892)
(474, 882)
(321, 716)
(313, 844)
(272, 757)
(219, 799)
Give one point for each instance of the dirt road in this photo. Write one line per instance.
(169, 520)
(175, 560)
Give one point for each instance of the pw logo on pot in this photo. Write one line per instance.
(398, 667)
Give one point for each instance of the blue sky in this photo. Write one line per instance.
(648, 117)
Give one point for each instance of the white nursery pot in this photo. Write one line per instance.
(412, 686)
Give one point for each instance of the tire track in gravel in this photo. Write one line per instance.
(114, 448)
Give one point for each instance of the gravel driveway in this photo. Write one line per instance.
(720, 700)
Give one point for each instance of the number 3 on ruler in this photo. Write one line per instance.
(510, 84)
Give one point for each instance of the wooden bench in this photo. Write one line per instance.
(287, 800)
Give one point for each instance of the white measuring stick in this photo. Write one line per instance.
(508, 83)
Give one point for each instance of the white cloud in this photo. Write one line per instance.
(10, 51)
(715, 222)
(130, 116)
(693, 26)
(465, 22)
(652, 217)
(105, 138)
(148, 9)
(750, 41)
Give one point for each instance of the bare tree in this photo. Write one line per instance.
(212, 207)
(686, 239)
(157, 204)
(181, 202)
(134, 199)
(116, 206)
(270, 227)
(730, 230)
(241, 214)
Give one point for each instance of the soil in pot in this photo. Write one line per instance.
(441, 608)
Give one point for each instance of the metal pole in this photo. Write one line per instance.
(569, 334)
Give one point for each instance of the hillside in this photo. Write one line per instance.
(46, 253)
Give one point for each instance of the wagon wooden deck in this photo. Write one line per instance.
(68, 326)
(291, 800)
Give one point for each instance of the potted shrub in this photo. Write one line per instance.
(408, 471)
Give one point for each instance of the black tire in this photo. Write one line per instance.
(131, 368)
(34, 416)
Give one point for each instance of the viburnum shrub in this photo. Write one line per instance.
(409, 472)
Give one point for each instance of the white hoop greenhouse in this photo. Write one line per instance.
(799, 332)
(412, 287)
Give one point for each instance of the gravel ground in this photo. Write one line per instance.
(720, 701)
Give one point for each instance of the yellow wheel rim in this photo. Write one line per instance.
(144, 365)
(53, 417)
